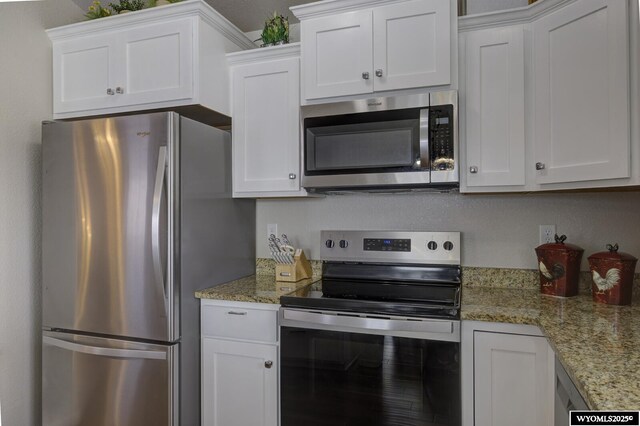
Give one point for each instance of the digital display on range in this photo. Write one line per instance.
(385, 244)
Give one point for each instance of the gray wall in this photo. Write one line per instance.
(483, 6)
(25, 100)
(497, 230)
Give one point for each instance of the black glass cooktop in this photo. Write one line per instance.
(437, 301)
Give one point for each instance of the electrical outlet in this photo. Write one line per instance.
(272, 228)
(547, 234)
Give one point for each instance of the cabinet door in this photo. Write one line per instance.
(238, 388)
(157, 62)
(83, 71)
(512, 380)
(337, 55)
(494, 107)
(412, 44)
(266, 137)
(581, 61)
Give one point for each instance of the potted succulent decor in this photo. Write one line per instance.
(97, 11)
(276, 30)
(124, 6)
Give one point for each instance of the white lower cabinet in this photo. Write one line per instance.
(239, 364)
(508, 375)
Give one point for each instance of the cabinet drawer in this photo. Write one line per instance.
(240, 323)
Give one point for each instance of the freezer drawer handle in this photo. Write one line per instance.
(95, 350)
(236, 313)
(155, 222)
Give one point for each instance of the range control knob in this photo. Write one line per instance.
(448, 245)
(329, 243)
(343, 243)
(432, 245)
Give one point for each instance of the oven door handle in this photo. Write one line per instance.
(433, 329)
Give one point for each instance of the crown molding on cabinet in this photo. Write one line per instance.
(332, 7)
(183, 9)
(291, 50)
(520, 15)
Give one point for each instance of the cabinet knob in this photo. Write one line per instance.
(110, 91)
(365, 75)
(292, 176)
(378, 73)
(540, 166)
(119, 90)
(473, 169)
(268, 364)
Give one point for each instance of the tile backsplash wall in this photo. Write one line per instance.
(498, 231)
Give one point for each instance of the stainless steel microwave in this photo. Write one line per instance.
(394, 143)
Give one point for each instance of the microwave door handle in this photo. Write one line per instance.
(425, 162)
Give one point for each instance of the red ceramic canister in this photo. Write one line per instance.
(559, 267)
(612, 274)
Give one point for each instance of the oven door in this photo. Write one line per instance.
(345, 369)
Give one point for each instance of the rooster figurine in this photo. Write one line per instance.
(611, 279)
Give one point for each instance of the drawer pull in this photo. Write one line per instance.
(268, 364)
(236, 313)
(285, 274)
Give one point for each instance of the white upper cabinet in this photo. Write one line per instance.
(581, 71)
(412, 45)
(154, 58)
(494, 107)
(74, 90)
(266, 122)
(158, 62)
(549, 97)
(350, 48)
(338, 55)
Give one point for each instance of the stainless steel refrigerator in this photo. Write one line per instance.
(137, 214)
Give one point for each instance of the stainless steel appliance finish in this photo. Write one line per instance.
(421, 171)
(567, 397)
(442, 330)
(97, 381)
(427, 248)
(384, 324)
(135, 210)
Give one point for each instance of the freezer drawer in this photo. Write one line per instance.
(89, 381)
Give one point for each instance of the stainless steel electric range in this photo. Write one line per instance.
(377, 341)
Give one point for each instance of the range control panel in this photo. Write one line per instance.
(388, 244)
(419, 247)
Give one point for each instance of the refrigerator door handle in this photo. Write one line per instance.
(110, 352)
(155, 222)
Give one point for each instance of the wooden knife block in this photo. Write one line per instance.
(299, 270)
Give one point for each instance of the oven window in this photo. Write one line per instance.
(362, 146)
(338, 378)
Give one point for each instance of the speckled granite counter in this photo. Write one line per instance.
(261, 288)
(599, 345)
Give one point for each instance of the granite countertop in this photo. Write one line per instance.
(260, 288)
(597, 344)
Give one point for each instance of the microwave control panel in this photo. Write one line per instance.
(441, 135)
